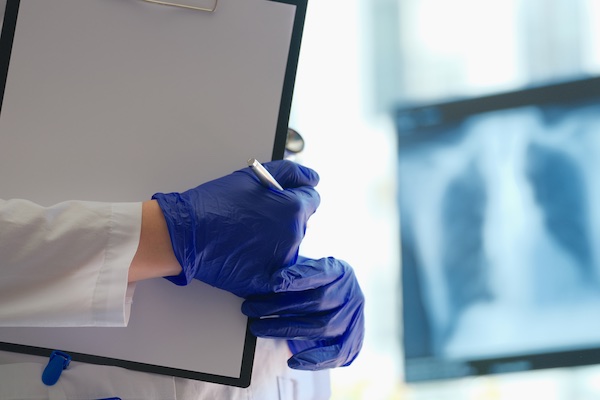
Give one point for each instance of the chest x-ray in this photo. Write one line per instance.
(500, 230)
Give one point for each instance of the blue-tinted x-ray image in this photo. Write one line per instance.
(499, 203)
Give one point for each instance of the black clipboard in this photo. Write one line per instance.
(34, 340)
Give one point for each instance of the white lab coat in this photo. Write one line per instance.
(67, 265)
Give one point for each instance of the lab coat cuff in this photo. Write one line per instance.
(112, 299)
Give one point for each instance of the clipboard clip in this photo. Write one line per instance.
(187, 6)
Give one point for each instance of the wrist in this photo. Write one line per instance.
(154, 257)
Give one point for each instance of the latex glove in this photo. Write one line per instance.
(318, 306)
(233, 233)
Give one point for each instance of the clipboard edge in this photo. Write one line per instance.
(289, 80)
(243, 381)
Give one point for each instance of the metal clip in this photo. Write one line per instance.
(189, 7)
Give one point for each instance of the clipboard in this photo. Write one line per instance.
(114, 100)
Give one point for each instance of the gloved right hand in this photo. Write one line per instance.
(233, 233)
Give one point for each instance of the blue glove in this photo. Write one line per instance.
(233, 233)
(318, 306)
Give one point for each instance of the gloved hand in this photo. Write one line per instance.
(318, 306)
(233, 233)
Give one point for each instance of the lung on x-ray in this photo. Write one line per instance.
(499, 202)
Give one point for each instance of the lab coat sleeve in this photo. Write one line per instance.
(66, 265)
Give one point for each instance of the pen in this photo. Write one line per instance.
(263, 175)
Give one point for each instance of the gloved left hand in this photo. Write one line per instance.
(233, 233)
(318, 306)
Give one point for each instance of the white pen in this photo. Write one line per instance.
(263, 175)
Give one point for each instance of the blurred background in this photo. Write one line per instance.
(361, 63)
